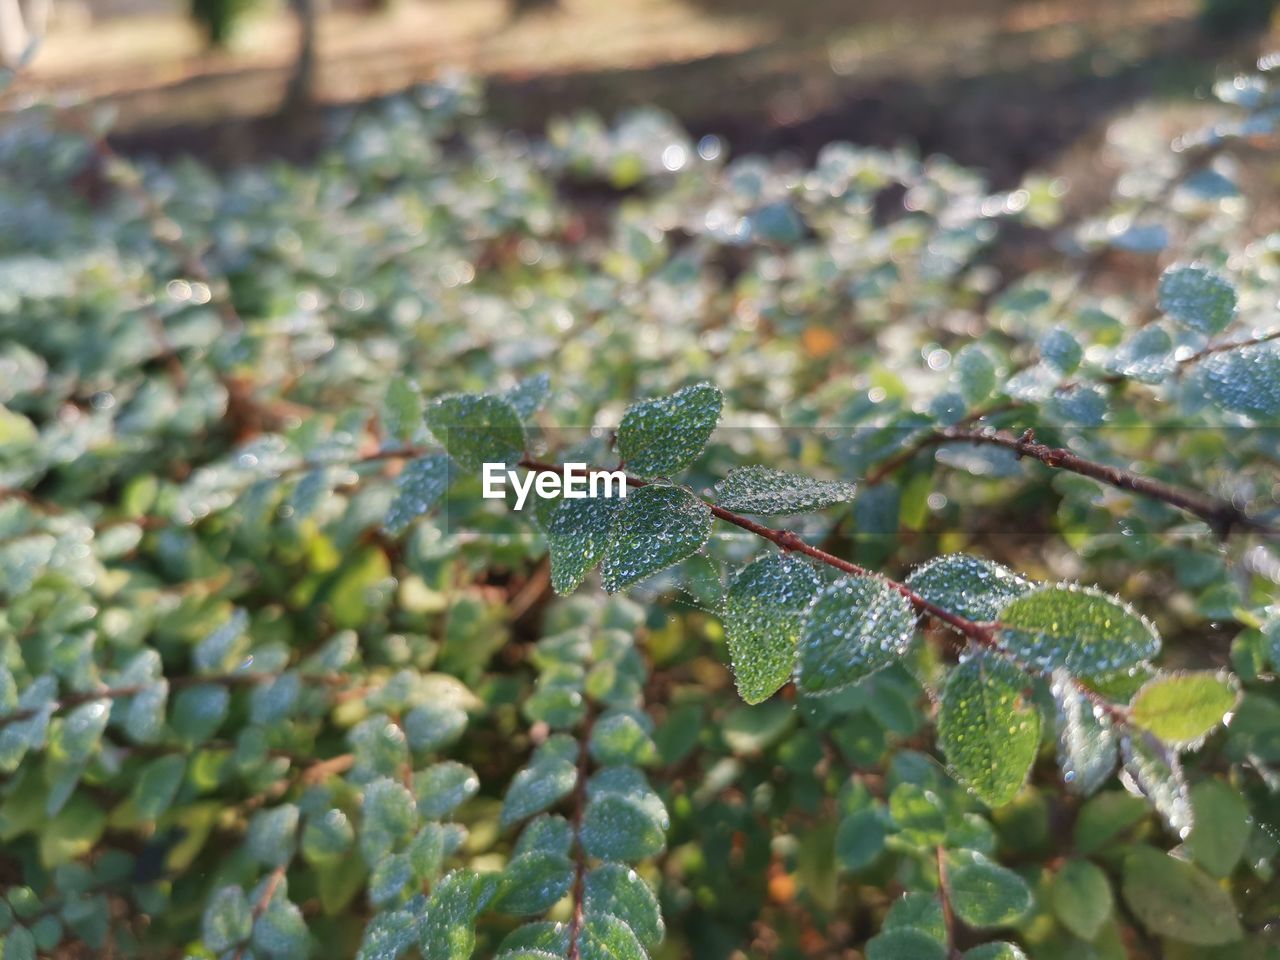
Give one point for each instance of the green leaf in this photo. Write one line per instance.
(763, 617)
(1221, 829)
(1183, 708)
(326, 838)
(280, 932)
(618, 891)
(1197, 298)
(272, 836)
(1155, 769)
(527, 396)
(157, 785)
(1086, 738)
(984, 894)
(549, 777)
(1245, 381)
(905, 945)
(577, 535)
(1175, 899)
(228, 920)
(748, 731)
(919, 816)
(442, 787)
(605, 937)
(987, 732)
(477, 429)
(660, 437)
(1080, 629)
(198, 712)
(532, 883)
(655, 527)
(622, 737)
(419, 486)
(855, 626)
(619, 827)
(972, 587)
(389, 818)
(921, 912)
(860, 839)
(769, 492)
(402, 410)
(449, 928)
(1081, 898)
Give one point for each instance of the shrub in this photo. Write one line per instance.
(938, 619)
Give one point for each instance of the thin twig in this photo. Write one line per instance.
(579, 851)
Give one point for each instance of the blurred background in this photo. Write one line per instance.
(1002, 85)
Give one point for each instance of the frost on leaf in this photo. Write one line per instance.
(1197, 298)
(577, 534)
(1183, 708)
(1246, 380)
(769, 492)
(420, 484)
(1086, 738)
(763, 617)
(1080, 629)
(656, 526)
(477, 429)
(527, 396)
(855, 627)
(660, 437)
(986, 729)
(972, 587)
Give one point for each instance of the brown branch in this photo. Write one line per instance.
(944, 893)
(264, 900)
(982, 634)
(1221, 515)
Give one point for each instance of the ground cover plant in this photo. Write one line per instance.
(939, 618)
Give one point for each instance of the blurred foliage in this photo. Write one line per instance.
(278, 681)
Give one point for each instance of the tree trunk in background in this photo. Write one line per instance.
(298, 95)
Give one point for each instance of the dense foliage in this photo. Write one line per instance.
(939, 619)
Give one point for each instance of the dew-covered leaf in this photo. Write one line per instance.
(577, 535)
(622, 736)
(1080, 629)
(477, 429)
(984, 894)
(548, 777)
(1245, 380)
(620, 827)
(1183, 708)
(419, 486)
(975, 588)
(527, 396)
(655, 527)
(228, 919)
(1176, 899)
(763, 616)
(389, 819)
(1198, 298)
(532, 883)
(1000, 950)
(660, 437)
(605, 937)
(854, 627)
(618, 891)
(1086, 739)
(905, 944)
(444, 786)
(769, 492)
(1154, 770)
(448, 930)
(986, 728)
